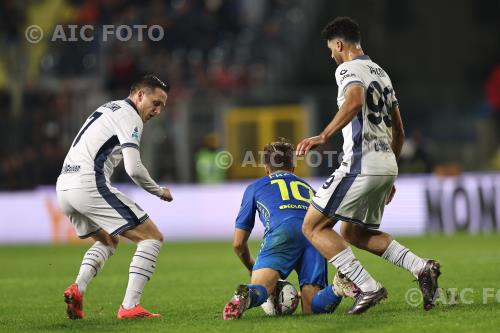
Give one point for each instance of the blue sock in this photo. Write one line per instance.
(258, 295)
(325, 300)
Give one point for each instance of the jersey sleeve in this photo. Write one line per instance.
(346, 76)
(246, 216)
(129, 132)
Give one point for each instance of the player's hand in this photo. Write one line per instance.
(307, 144)
(391, 195)
(166, 195)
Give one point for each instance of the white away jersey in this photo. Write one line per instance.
(368, 137)
(96, 150)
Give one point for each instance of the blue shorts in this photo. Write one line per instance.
(285, 249)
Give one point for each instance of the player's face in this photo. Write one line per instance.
(335, 46)
(150, 103)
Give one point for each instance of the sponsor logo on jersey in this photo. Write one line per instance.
(112, 106)
(135, 133)
(293, 206)
(342, 72)
(67, 168)
(382, 146)
(346, 76)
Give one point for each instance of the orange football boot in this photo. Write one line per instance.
(74, 302)
(137, 312)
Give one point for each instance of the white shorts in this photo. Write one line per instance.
(91, 210)
(355, 198)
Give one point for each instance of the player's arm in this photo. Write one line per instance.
(244, 226)
(398, 133)
(354, 98)
(398, 137)
(240, 246)
(140, 175)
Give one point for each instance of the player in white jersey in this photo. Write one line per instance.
(358, 190)
(100, 211)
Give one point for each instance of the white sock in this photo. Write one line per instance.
(347, 263)
(141, 269)
(92, 263)
(402, 257)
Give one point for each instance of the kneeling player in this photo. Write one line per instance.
(282, 200)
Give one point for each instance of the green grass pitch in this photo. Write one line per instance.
(194, 280)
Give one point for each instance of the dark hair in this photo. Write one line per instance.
(342, 27)
(151, 82)
(279, 155)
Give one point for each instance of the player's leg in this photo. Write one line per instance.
(149, 241)
(119, 215)
(251, 295)
(318, 230)
(94, 258)
(312, 271)
(277, 257)
(337, 195)
(382, 244)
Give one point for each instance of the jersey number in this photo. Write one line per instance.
(93, 117)
(294, 186)
(376, 100)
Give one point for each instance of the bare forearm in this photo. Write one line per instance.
(352, 105)
(246, 258)
(398, 138)
(341, 119)
(398, 133)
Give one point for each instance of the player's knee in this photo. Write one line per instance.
(346, 232)
(114, 241)
(108, 240)
(158, 236)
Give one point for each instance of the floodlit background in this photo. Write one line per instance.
(244, 72)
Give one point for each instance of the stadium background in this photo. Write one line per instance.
(244, 72)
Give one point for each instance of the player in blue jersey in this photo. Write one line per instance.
(282, 199)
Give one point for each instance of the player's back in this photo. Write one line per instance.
(96, 149)
(368, 138)
(281, 197)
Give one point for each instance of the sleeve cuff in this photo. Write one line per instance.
(130, 144)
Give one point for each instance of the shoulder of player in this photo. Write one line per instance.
(343, 69)
(121, 109)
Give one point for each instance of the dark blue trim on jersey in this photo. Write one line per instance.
(90, 234)
(357, 143)
(338, 195)
(353, 82)
(358, 222)
(131, 145)
(132, 104)
(362, 57)
(108, 196)
(129, 226)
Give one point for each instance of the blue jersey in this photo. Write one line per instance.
(278, 197)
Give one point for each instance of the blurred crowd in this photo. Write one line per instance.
(208, 47)
(211, 49)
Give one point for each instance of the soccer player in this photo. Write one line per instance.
(281, 198)
(101, 212)
(357, 191)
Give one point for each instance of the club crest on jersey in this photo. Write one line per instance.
(135, 133)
